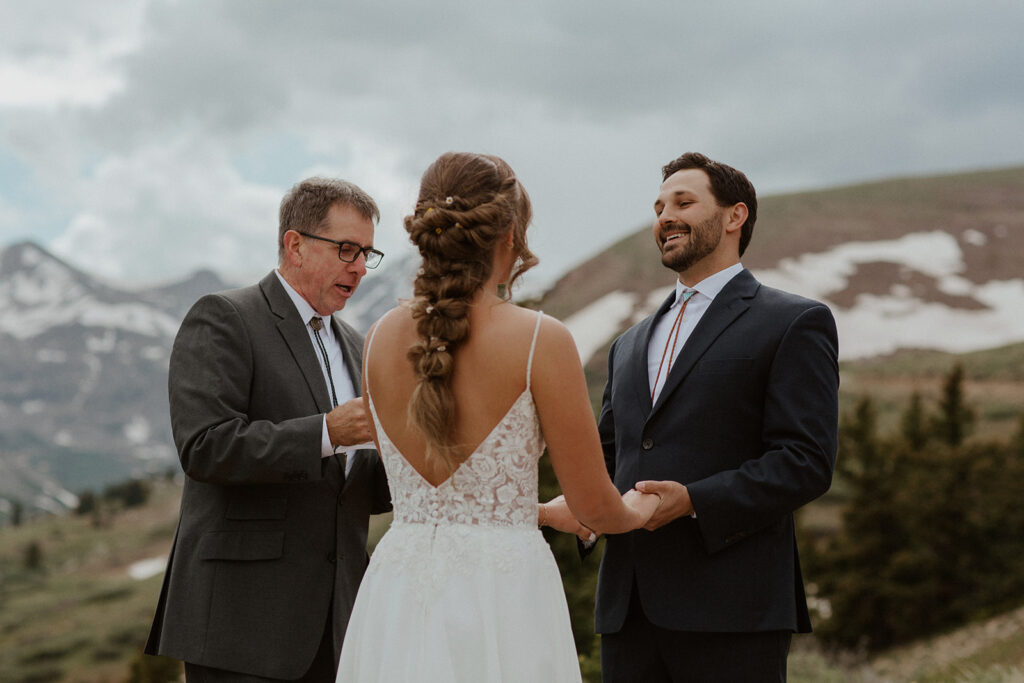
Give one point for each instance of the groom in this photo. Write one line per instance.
(271, 541)
(724, 402)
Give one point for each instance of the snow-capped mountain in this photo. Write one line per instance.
(83, 397)
(84, 367)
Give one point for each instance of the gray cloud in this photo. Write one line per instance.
(586, 100)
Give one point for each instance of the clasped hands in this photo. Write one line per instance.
(659, 502)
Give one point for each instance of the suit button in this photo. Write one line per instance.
(647, 444)
(331, 557)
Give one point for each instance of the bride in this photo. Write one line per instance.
(464, 389)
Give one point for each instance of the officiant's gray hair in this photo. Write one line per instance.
(305, 207)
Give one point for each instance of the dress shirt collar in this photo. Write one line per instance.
(306, 311)
(711, 285)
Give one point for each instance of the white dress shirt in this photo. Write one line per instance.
(343, 386)
(705, 292)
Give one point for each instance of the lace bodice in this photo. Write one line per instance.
(495, 486)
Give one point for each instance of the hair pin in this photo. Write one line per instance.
(448, 200)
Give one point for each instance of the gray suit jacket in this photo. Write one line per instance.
(747, 420)
(270, 535)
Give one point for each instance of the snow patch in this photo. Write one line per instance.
(591, 327)
(975, 237)
(143, 569)
(882, 324)
(936, 254)
(137, 430)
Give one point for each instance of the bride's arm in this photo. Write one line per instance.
(556, 514)
(560, 393)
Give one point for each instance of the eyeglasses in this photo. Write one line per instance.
(349, 251)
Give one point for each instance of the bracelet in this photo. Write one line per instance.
(543, 515)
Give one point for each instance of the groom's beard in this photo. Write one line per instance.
(702, 240)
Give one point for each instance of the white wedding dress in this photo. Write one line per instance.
(463, 586)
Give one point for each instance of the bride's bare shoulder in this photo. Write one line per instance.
(396, 324)
(555, 343)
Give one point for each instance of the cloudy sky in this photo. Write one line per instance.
(142, 139)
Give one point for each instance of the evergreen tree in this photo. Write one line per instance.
(933, 535)
(1017, 442)
(913, 423)
(873, 533)
(86, 503)
(131, 493)
(955, 418)
(33, 558)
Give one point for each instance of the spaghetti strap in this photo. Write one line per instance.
(366, 356)
(533, 345)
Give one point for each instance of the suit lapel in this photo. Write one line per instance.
(638, 354)
(293, 330)
(729, 305)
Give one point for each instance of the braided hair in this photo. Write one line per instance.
(467, 204)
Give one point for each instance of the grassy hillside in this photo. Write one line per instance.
(994, 385)
(809, 222)
(79, 615)
(82, 618)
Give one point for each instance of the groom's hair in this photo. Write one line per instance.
(728, 185)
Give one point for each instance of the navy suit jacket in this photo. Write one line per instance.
(748, 422)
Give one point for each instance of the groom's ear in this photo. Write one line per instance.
(736, 216)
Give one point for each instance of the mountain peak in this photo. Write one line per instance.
(39, 291)
(27, 256)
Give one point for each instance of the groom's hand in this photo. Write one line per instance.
(675, 502)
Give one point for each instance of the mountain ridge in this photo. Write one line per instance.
(84, 401)
(896, 261)
(906, 263)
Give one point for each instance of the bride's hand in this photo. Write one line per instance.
(555, 514)
(644, 505)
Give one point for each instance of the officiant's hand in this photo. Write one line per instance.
(349, 424)
(675, 502)
(556, 514)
